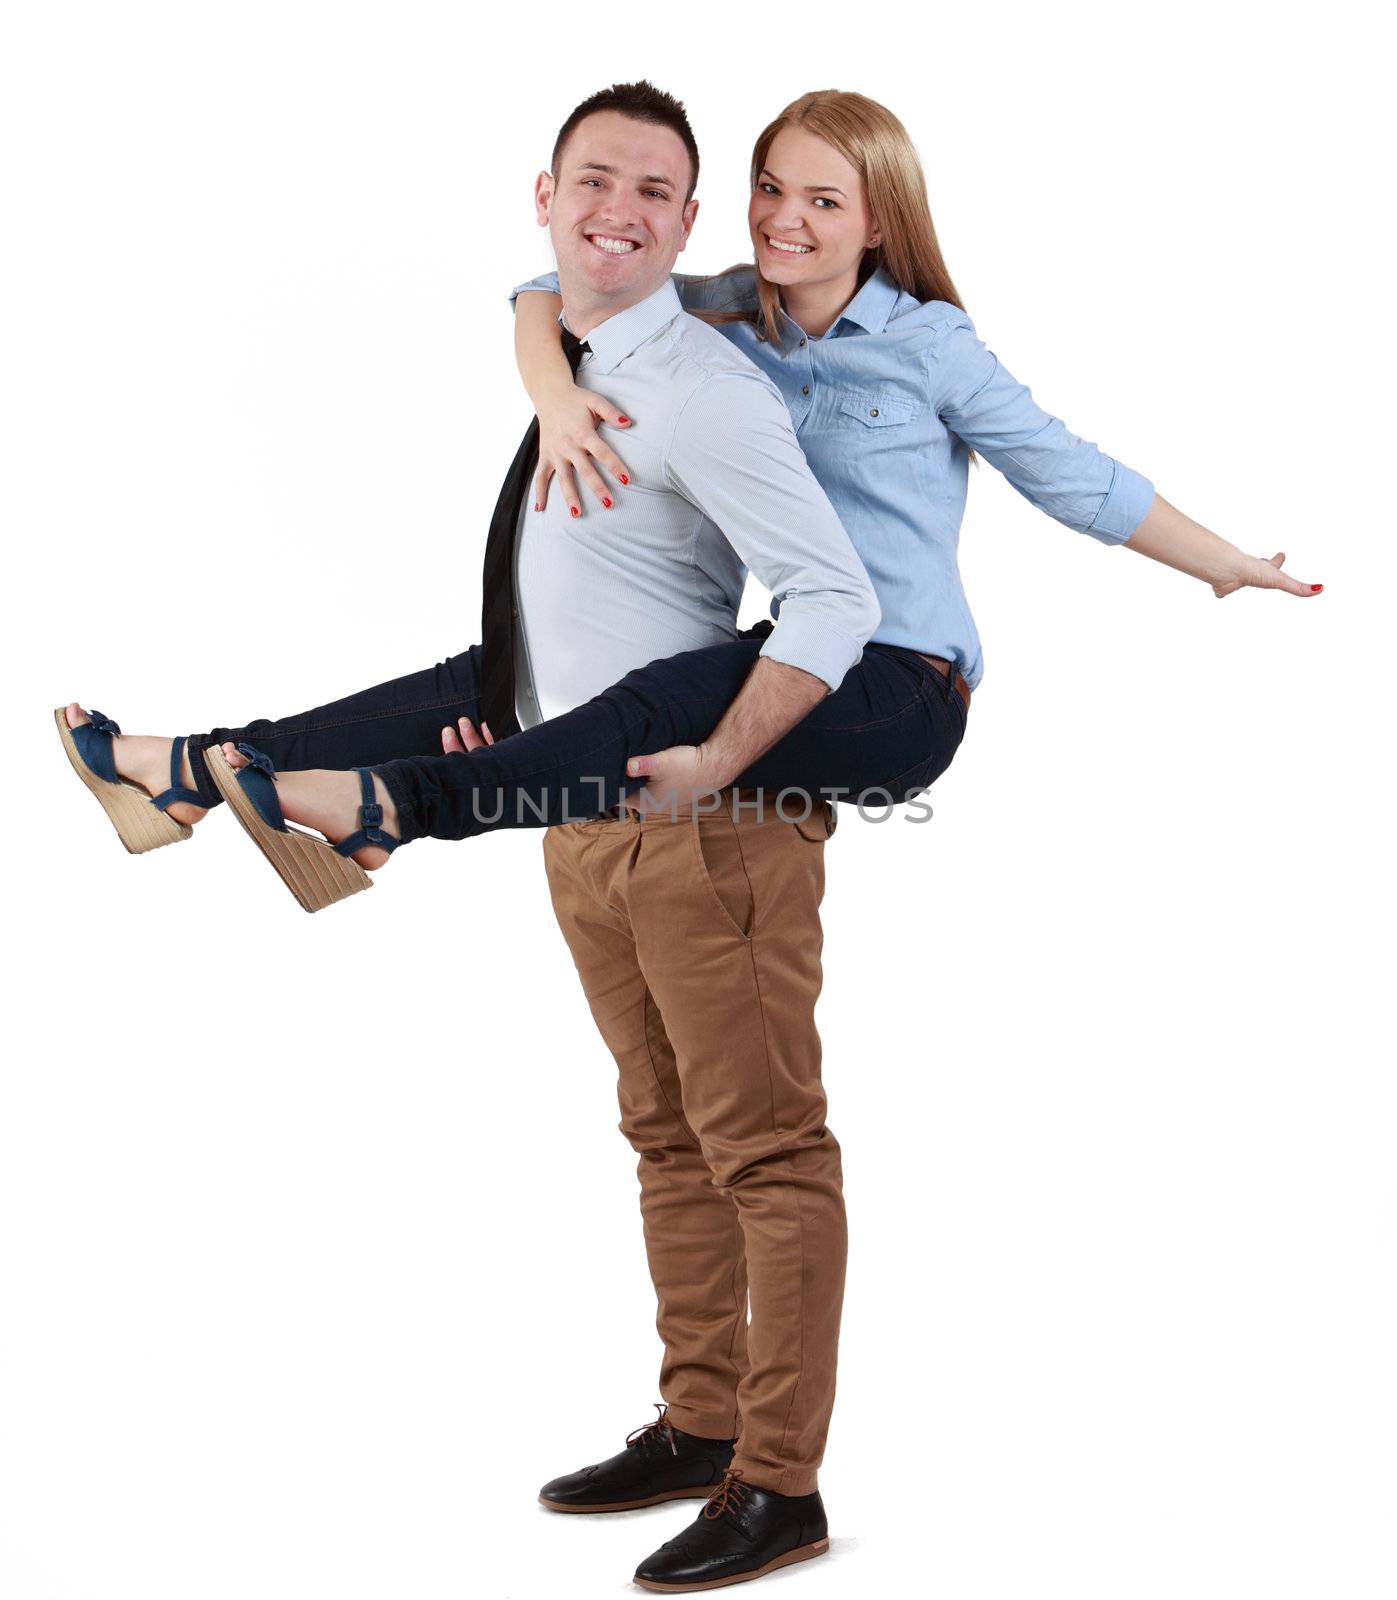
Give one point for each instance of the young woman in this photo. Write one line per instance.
(851, 311)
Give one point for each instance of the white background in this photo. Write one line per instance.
(320, 1246)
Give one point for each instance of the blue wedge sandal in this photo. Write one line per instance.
(317, 872)
(141, 822)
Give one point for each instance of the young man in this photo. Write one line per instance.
(696, 933)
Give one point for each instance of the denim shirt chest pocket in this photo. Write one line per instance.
(880, 411)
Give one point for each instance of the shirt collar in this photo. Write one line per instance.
(872, 305)
(622, 334)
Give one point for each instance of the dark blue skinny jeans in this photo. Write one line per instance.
(887, 732)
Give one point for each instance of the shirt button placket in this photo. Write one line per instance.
(806, 370)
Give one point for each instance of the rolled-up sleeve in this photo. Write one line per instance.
(547, 284)
(733, 453)
(1068, 478)
(733, 290)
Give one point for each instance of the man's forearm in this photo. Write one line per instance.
(773, 699)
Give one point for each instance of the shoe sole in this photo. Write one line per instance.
(140, 824)
(805, 1553)
(316, 873)
(632, 1505)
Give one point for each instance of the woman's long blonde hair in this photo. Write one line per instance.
(877, 146)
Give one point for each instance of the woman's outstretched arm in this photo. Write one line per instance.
(1070, 478)
(1167, 535)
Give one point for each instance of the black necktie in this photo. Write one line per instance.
(499, 612)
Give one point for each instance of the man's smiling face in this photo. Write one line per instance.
(616, 212)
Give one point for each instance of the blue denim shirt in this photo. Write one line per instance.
(887, 406)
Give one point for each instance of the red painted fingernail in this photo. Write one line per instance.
(537, 506)
(624, 421)
(624, 478)
(605, 500)
(1316, 587)
(575, 511)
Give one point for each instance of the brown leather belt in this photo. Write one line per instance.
(958, 683)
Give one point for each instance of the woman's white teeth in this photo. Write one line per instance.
(790, 249)
(613, 247)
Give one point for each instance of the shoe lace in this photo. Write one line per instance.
(727, 1495)
(648, 1432)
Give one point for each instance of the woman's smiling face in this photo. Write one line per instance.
(808, 216)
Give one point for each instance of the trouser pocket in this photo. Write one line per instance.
(718, 856)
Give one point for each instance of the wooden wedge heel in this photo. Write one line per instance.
(316, 872)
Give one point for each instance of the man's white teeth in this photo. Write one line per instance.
(613, 247)
(789, 249)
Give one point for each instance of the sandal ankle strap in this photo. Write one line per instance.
(177, 790)
(371, 821)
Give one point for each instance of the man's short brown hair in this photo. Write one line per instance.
(642, 102)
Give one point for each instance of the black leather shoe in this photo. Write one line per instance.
(743, 1532)
(658, 1463)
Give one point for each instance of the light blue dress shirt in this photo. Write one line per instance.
(719, 486)
(887, 406)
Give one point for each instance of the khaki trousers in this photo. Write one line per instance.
(698, 944)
